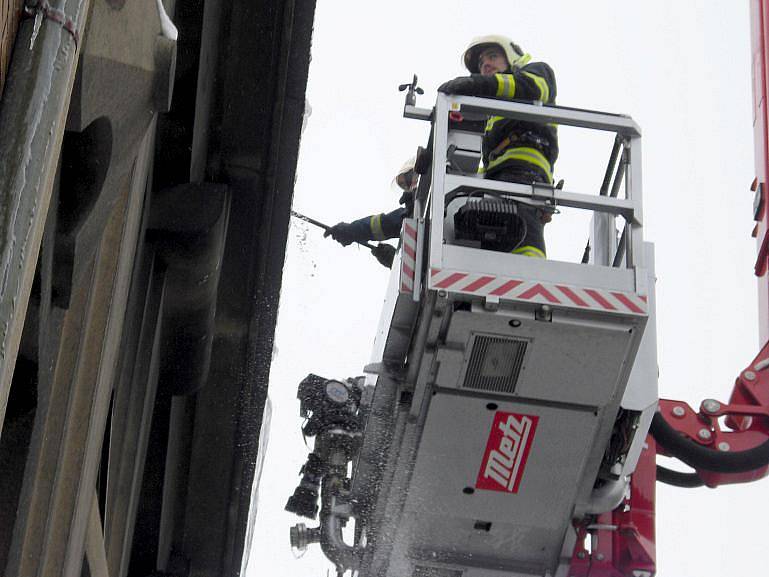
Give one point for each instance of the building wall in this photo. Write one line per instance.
(10, 13)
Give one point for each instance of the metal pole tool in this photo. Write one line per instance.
(383, 252)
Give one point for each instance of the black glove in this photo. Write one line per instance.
(384, 253)
(475, 85)
(343, 233)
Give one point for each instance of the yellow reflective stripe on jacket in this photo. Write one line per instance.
(505, 85)
(544, 89)
(522, 61)
(529, 250)
(492, 121)
(524, 153)
(376, 227)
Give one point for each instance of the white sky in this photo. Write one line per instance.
(682, 70)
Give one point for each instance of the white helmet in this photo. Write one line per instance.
(511, 50)
(406, 179)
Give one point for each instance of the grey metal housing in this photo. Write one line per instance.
(451, 356)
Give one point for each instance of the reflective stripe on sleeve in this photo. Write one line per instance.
(530, 251)
(492, 121)
(525, 154)
(375, 224)
(522, 61)
(544, 89)
(505, 85)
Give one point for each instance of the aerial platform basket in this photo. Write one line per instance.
(508, 398)
(530, 383)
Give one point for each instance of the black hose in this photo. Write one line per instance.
(678, 479)
(704, 458)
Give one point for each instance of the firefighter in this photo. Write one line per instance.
(513, 150)
(381, 226)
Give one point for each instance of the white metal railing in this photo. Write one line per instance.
(622, 172)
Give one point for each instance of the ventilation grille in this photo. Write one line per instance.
(423, 571)
(495, 364)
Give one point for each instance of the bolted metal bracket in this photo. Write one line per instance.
(544, 313)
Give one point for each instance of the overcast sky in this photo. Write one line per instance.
(681, 70)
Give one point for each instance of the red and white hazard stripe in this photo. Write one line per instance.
(540, 292)
(408, 255)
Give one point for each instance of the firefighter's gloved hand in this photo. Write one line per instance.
(384, 253)
(474, 85)
(342, 232)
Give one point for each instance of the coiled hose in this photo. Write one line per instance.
(702, 458)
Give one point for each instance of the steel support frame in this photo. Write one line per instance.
(759, 20)
(618, 123)
(615, 206)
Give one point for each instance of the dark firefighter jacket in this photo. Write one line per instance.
(508, 143)
(378, 226)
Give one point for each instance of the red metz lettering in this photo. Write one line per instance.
(513, 427)
(504, 461)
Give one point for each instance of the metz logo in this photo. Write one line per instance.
(507, 451)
